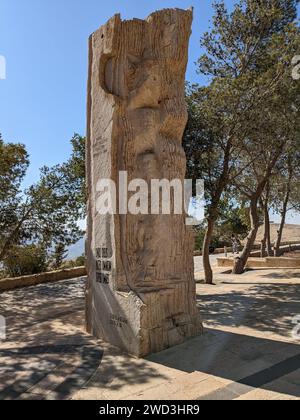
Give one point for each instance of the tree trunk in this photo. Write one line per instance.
(268, 236)
(213, 213)
(282, 223)
(263, 205)
(267, 246)
(205, 251)
(263, 248)
(240, 263)
(284, 208)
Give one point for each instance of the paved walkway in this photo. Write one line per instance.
(247, 351)
(213, 261)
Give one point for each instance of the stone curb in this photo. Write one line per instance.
(270, 262)
(26, 281)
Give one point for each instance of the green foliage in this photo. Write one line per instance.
(232, 220)
(238, 42)
(59, 255)
(25, 260)
(46, 213)
(216, 240)
(201, 140)
(13, 165)
(74, 171)
(245, 119)
(78, 262)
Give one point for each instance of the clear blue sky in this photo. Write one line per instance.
(42, 102)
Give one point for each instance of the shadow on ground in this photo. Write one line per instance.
(247, 361)
(247, 344)
(265, 307)
(47, 354)
(248, 337)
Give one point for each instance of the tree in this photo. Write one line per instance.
(59, 255)
(286, 183)
(266, 246)
(252, 187)
(246, 53)
(75, 172)
(47, 213)
(208, 155)
(13, 166)
(25, 260)
(275, 136)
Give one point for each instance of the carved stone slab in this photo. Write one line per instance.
(141, 290)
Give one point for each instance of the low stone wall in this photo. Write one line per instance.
(269, 262)
(221, 250)
(281, 244)
(285, 246)
(25, 281)
(289, 248)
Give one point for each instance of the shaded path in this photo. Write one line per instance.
(247, 351)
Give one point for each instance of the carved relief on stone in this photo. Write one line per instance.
(137, 116)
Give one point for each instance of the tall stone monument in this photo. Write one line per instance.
(141, 292)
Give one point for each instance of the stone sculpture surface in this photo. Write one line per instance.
(141, 289)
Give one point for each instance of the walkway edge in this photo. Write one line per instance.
(51, 277)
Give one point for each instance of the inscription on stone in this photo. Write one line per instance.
(118, 321)
(102, 278)
(103, 253)
(106, 266)
(103, 265)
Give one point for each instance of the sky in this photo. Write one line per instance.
(44, 42)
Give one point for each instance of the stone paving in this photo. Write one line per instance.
(247, 351)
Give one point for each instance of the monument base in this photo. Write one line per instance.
(144, 324)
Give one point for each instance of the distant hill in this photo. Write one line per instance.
(291, 233)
